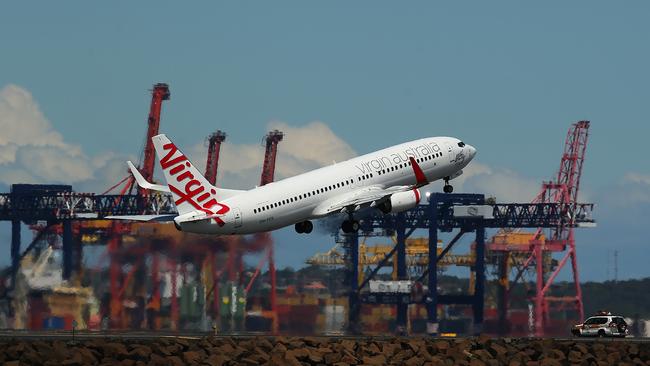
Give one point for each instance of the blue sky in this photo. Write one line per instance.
(507, 77)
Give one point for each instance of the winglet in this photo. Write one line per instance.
(420, 178)
(143, 182)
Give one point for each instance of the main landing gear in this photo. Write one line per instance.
(304, 227)
(448, 188)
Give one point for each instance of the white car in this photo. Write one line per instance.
(606, 325)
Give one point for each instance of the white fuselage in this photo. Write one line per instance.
(302, 197)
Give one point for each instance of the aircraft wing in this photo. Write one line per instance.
(363, 197)
(369, 196)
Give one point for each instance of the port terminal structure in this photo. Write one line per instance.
(56, 211)
(461, 213)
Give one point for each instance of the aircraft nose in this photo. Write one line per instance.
(471, 150)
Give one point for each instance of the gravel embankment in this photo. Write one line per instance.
(323, 351)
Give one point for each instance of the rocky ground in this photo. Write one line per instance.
(323, 351)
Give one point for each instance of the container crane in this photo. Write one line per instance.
(537, 249)
(268, 174)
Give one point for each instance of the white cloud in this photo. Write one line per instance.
(303, 148)
(504, 184)
(632, 190)
(637, 178)
(32, 151)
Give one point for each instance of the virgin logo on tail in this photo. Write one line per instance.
(178, 169)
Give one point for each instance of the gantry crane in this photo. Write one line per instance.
(536, 250)
(268, 175)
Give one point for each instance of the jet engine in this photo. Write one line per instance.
(401, 201)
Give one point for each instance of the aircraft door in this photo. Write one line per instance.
(450, 152)
(237, 217)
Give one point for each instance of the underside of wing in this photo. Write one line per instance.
(363, 197)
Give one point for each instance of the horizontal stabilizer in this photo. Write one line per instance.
(144, 218)
(143, 182)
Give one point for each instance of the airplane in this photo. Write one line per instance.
(388, 180)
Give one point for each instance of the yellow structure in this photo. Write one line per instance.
(417, 255)
(516, 238)
(69, 301)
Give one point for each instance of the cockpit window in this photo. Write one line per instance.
(461, 144)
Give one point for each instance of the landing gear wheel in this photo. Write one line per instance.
(349, 226)
(447, 188)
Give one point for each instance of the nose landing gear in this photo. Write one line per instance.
(448, 188)
(304, 227)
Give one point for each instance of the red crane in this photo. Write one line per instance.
(268, 173)
(214, 147)
(270, 153)
(564, 190)
(211, 169)
(538, 253)
(159, 93)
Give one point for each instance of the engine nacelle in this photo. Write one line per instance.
(401, 201)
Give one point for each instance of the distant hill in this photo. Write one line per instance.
(626, 298)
